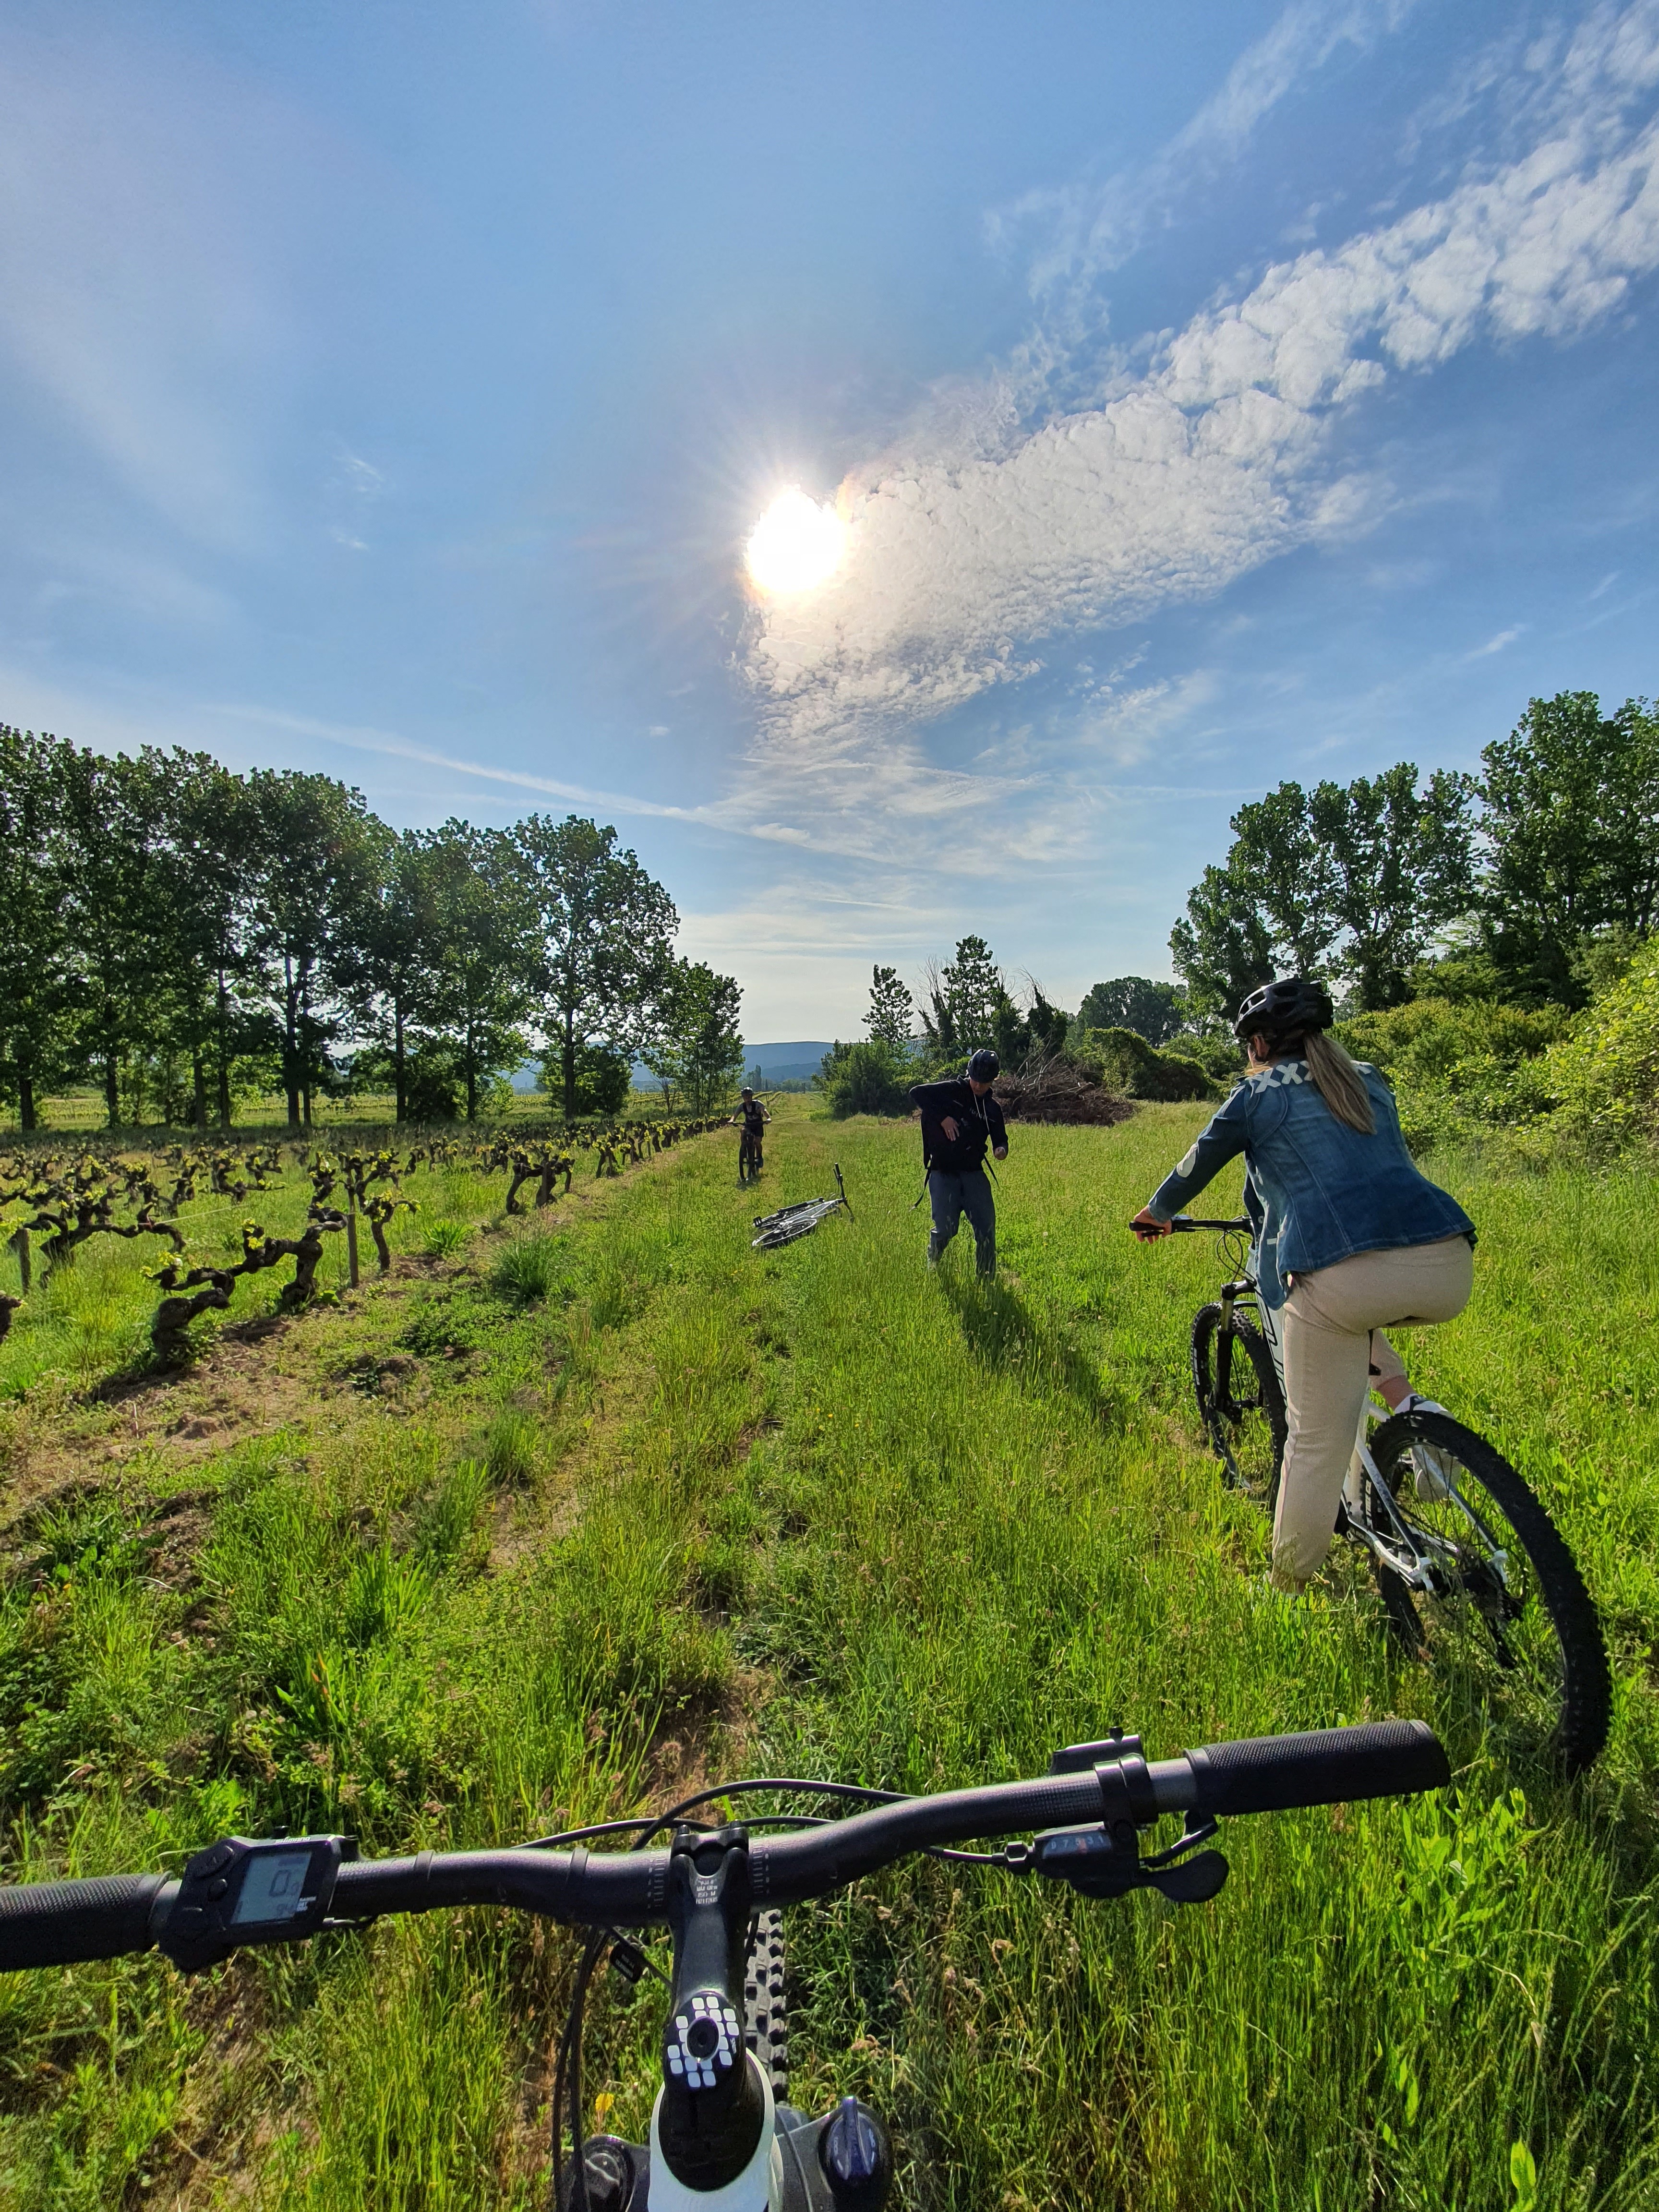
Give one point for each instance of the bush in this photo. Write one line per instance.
(874, 1078)
(1460, 1067)
(529, 1269)
(1606, 1073)
(604, 1079)
(1119, 1061)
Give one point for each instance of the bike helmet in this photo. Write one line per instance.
(747, 1092)
(1289, 1007)
(983, 1066)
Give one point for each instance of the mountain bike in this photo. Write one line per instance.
(723, 2136)
(1471, 1571)
(791, 1222)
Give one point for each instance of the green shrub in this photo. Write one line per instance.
(530, 1269)
(874, 1078)
(1121, 1061)
(512, 1448)
(1460, 1067)
(1606, 1073)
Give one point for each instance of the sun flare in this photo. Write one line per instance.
(797, 544)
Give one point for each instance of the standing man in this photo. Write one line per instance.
(959, 1118)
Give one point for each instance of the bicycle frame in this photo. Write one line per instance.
(1370, 1517)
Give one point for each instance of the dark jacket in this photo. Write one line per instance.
(979, 1122)
(1324, 1191)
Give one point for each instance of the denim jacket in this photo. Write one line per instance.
(1322, 1191)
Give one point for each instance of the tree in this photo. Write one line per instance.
(317, 868)
(964, 999)
(483, 949)
(1571, 821)
(604, 929)
(1353, 882)
(891, 1010)
(209, 861)
(604, 1078)
(1153, 1010)
(388, 977)
(1222, 947)
(695, 1046)
(1400, 865)
(116, 912)
(34, 979)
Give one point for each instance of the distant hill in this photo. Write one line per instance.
(778, 1063)
(784, 1063)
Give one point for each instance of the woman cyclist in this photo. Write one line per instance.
(1350, 1239)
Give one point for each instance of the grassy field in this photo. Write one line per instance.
(564, 1515)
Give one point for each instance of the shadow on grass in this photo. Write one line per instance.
(1001, 1332)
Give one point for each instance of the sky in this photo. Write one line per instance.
(1205, 396)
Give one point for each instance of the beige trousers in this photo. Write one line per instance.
(1326, 1328)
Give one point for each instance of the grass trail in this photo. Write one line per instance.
(534, 1544)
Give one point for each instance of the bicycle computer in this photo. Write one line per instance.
(240, 1891)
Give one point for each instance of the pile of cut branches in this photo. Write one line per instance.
(1055, 1089)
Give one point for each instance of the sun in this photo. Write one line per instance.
(797, 544)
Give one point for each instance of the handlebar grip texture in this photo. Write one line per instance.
(57, 1924)
(1330, 1766)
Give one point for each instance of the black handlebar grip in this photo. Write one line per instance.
(57, 1924)
(1330, 1766)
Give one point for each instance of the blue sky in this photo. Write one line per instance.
(1212, 394)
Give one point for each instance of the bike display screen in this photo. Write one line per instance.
(273, 1887)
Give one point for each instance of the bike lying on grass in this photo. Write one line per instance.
(1471, 1568)
(791, 1222)
(723, 2136)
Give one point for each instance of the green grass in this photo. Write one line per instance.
(679, 1507)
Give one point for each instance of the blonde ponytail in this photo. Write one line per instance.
(1342, 1085)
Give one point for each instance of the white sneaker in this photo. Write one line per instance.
(1433, 1470)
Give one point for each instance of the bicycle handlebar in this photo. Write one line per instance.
(62, 1922)
(1184, 1221)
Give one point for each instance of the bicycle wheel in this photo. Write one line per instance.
(1510, 1620)
(1240, 1402)
(765, 2007)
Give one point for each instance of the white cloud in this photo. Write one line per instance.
(1091, 227)
(1214, 459)
(1504, 637)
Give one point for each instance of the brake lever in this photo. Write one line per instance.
(1097, 1861)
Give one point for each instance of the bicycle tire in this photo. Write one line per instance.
(766, 2002)
(1247, 1432)
(1521, 1683)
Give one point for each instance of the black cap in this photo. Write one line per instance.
(983, 1066)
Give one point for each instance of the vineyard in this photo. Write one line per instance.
(194, 1201)
(570, 1508)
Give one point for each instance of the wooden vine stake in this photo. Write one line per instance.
(351, 1244)
(19, 1244)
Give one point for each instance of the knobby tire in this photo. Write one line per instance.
(765, 2006)
(1565, 1692)
(1240, 1402)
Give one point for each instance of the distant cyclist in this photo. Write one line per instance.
(754, 1116)
(959, 1119)
(1350, 1240)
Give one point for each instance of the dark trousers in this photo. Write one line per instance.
(950, 1197)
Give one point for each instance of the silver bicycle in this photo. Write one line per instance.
(1471, 1571)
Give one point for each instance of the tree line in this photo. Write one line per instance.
(1528, 885)
(181, 936)
(1519, 883)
